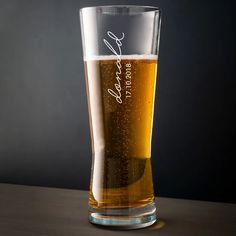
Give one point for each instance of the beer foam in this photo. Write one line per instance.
(122, 57)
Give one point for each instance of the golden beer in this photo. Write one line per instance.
(121, 91)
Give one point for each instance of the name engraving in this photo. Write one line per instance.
(117, 93)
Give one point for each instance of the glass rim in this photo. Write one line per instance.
(144, 7)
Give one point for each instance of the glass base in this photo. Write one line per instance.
(124, 218)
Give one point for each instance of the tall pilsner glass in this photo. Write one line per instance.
(120, 47)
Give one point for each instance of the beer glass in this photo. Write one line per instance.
(120, 48)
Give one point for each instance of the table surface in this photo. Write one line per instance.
(31, 210)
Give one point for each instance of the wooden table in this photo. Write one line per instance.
(33, 211)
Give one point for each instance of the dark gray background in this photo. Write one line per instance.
(44, 132)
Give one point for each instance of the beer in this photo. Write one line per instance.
(121, 91)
